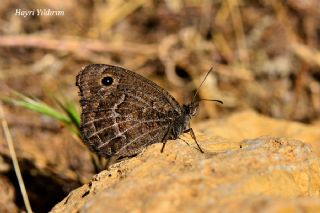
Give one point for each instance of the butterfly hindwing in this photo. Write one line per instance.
(122, 112)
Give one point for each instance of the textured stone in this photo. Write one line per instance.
(267, 173)
(249, 124)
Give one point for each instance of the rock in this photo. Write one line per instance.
(265, 173)
(249, 124)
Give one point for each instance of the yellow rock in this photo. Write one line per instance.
(249, 124)
(264, 174)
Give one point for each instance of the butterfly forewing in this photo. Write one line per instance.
(122, 112)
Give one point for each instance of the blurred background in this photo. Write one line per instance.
(265, 57)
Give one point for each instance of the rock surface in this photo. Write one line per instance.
(249, 124)
(273, 174)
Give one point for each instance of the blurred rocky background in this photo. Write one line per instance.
(266, 69)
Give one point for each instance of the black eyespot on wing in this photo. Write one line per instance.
(107, 81)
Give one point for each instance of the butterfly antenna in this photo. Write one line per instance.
(216, 100)
(197, 91)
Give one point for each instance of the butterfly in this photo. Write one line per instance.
(123, 112)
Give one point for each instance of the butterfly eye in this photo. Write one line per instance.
(107, 81)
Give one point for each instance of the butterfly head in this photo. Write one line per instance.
(191, 109)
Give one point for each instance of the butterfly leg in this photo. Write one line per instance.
(184, 141)
(190, 130)
(163, 145)
(164, 140)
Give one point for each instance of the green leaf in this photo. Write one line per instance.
(70, 117)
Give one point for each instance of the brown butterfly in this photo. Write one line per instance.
(123, 112)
